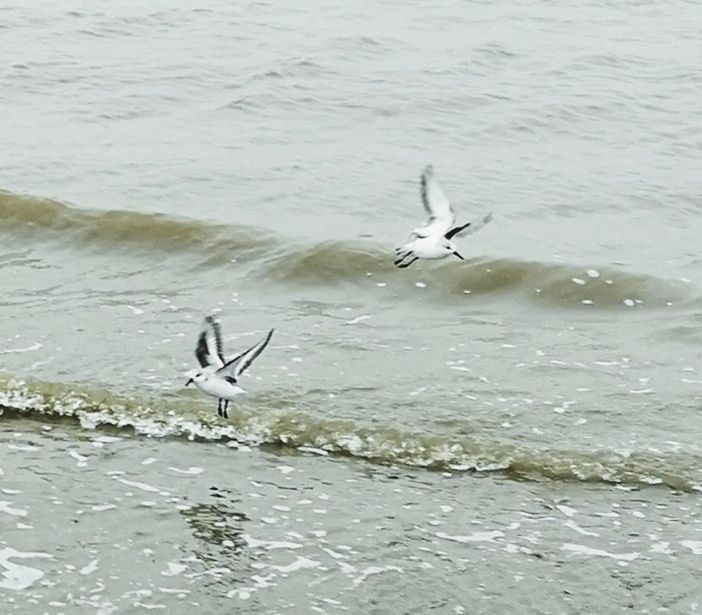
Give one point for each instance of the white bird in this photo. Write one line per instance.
(219, 377)
(434, 239)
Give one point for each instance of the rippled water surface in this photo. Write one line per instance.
(517, 432)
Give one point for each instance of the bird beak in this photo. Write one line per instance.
(189, 382)
(459, 256)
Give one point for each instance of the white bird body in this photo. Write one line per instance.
(209, 383)
(434, 240)
(219, 377)
(429, 248)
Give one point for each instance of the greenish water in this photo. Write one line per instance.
(517, 433)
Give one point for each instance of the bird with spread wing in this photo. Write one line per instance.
(218, 376)
(434, 240)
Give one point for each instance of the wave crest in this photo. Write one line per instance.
(124, 229)
(361, 263)
(271, 426)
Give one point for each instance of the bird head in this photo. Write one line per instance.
(451, 249)
(195, 376)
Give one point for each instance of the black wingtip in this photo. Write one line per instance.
(456, 230)
(268, 337)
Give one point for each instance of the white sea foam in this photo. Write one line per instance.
(16, 576)
(371, 570)
(191, 471)
(31, 348)
(174, 569)
(574, 526)
(138, 485)
(661, 547)
(7, 508)
(694, 545)
(270, 545)
(102, 507)
(90, 568)
(487, 536)
(355, 321)
(584, 550)
(298, 564)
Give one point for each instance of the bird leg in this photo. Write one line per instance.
(225, 413)
(402, 256)
(408, 263)
(219, 407)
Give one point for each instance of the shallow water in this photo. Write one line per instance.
(442, 438)
(127, 524)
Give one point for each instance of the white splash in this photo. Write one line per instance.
(298, 564)
(574, 526)
(269, 545)
(312, 450)
(583, 550)
(694, 545)
(16, 576)
(5, 507)
(191, 471)
(374, 570)
(661, 547)
(566, 510)
(487, 536)
(36, 346)
(90, 568)
(174, 569)
(355, 321)
(138, 485)
(102, 507)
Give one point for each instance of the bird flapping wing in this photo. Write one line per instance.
(236, 366)
(209, 344)
(436, 204)
(469, 228)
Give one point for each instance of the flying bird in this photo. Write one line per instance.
(219, 377)
(434, 240)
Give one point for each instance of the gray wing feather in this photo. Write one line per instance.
(238, 365)
(209, 344)
(436, 204)
(470, 228)
(424, 189)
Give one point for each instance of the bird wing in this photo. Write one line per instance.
(236, 366)
(469, 228)
(436, 204)
(209, 344)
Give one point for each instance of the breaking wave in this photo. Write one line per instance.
(277, 423)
